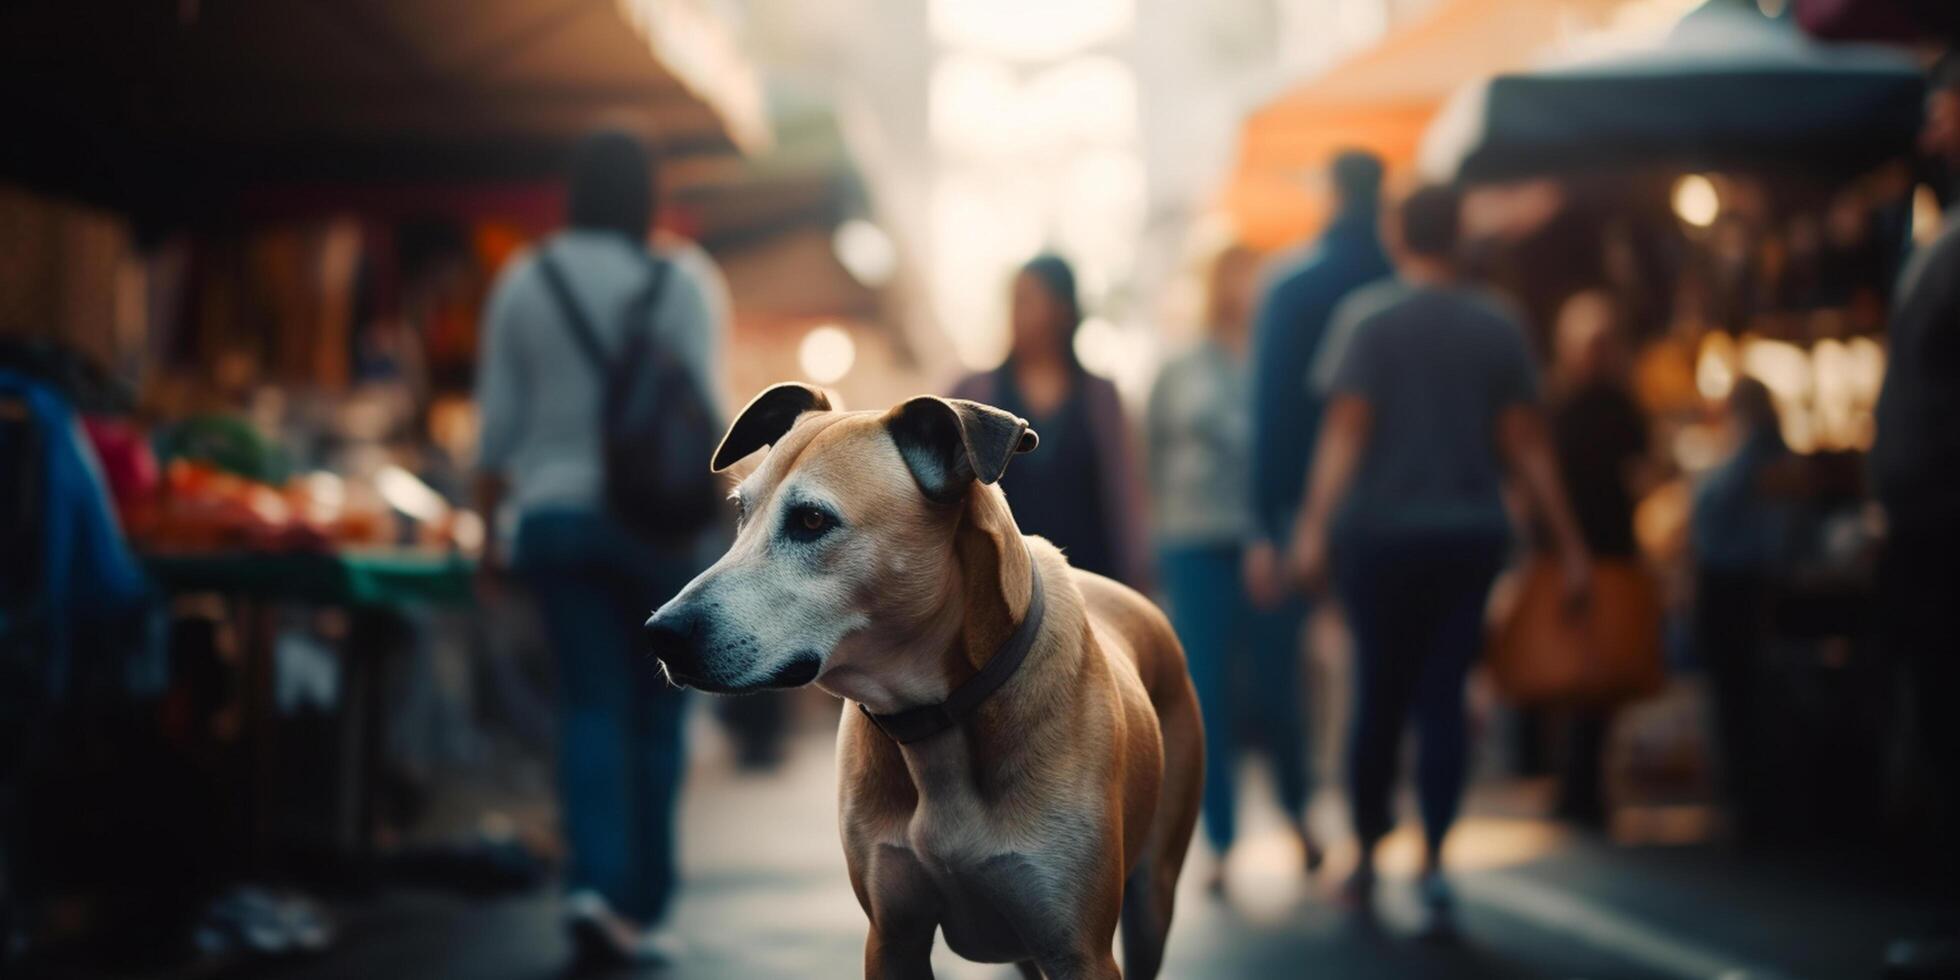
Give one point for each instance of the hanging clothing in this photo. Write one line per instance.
(78, 569)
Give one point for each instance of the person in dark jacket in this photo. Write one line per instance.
(1915, 472)
(1081, 490)
(1298, 299)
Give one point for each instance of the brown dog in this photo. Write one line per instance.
(1022, 767)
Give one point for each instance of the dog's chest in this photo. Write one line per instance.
(991, 903)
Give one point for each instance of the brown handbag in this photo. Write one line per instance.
(1607, 652)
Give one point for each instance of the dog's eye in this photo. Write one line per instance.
(808, 523)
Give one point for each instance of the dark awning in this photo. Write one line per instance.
(156, 107)
(1729, 90)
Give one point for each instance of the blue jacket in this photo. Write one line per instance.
(1733, 527)
(86, 570)
(1296, 301)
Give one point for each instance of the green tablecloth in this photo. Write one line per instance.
(354, 578)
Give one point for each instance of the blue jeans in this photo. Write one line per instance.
(1245, 664)
(620, 749)
(1415, 606)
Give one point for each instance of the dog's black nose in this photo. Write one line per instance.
(673, 637)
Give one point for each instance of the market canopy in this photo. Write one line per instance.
(1728, 89)
(148, 106)
(1382, 99)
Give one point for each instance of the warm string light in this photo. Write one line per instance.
(826, 354)
(1696, 201)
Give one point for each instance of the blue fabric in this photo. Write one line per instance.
(1295, 304)
(1415, 606)
(1245, 664)
(1733, 526)
(620, 748)
(87, 573)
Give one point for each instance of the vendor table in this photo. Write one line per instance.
(354, 579)
(373, 587)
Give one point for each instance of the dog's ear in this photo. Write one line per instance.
(766, 419)
(948, 443)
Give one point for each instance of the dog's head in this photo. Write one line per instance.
(844, 554)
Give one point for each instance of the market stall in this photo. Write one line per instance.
(291, 215)
(1739, 197)
(1726, 89)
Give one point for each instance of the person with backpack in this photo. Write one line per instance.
(597, 397)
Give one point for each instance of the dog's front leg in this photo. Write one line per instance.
(1086, 964)
(1079, 950)
(898, 898)
(904, 956)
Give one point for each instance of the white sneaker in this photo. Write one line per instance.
(660, 946)
(602, 935)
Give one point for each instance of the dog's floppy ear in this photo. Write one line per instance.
(948, 443)
(766, 419)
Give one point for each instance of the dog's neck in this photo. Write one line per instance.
(996, 578)
(959, 769)
(982, 592)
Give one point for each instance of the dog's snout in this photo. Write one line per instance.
(669, 630)
(673, 636)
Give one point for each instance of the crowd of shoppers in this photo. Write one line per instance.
(1348, 430)
(1386, 403)
(1391, 402)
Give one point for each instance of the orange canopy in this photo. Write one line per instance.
(1381, 100)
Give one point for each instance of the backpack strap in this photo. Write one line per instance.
(646, 302)
(643, 303)
(573, 314)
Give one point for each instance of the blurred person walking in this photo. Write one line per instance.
(1431, 392)
(1296, 299)
(1600, 437)
(1915, 470)
(1738, 534)
(1081, 491)
(1244, 660)
(1915, 465)
(1299, 296)
(558, 320)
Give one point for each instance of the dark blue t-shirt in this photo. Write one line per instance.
(1436, 366)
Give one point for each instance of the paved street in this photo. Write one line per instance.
(767, 897)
